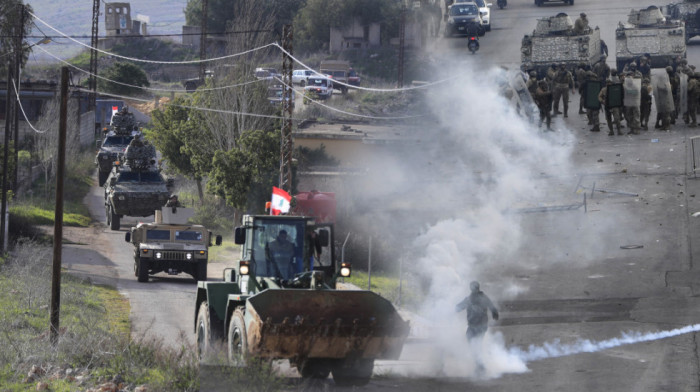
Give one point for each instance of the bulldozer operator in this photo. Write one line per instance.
(279, 256)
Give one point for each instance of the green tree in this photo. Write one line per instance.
(220, 13)
(126, 73)
(9, 18)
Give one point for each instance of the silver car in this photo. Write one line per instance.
(299, 76)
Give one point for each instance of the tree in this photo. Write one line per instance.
(220, 13)
(126, 73)
(9, 17)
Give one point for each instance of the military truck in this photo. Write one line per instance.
(135, 187)
(281, 302)
(687, 11)
(338, 71)
(553, 42)
(648, 33)
(123, 127)
(170, 245)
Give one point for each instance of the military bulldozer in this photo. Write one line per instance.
(554, 42)
(648, 33)
(281, 302)
(687, 11)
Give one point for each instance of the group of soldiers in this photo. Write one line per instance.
(624, 97)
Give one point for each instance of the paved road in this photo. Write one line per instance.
(621, 263)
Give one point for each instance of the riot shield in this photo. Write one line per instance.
(684, 93)
(614, 98)
(590, 94)
(633, 92)
(662, 93)
(522, 94)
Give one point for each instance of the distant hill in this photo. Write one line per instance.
(74, 17)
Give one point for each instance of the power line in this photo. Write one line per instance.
(138, 35)
(19, 101)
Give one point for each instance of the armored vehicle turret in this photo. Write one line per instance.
(554, 41)
(121, 132)
(648, 33)
(688, 12)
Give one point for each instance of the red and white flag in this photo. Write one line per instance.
(115, 109)
(281, 201)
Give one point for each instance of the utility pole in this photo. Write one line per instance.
(93, 56)
(18, 63)
(402, 42)
(58, 214)
(203, 41)
(287, 144)
(6, 153)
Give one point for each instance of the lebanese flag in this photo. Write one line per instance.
(280, 201)
(115, 109)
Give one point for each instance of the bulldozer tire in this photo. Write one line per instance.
(315, 368)
(237, 339)
(204, 332)
(113, 219)
(357, 375)
(141, 270)
(201, 271)
(102, 177)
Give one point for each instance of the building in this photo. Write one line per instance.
(119, 23)
(354, 36)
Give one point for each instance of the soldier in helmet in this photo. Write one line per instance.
(477, 305)
(580, 82)
(612, 115)
(675, 80)
(693, 96)
(602, 69)
(173, 202)
(645, 104)
(563, 82)
(581, 24)
(532, 83)
(543, 99)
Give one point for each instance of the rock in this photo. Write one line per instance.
(42, 386)
(141, 388)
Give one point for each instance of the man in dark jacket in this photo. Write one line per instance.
(477, 305)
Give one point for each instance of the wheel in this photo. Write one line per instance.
(237, 339)
(356, 375)
(205, 338)
(102, 177)
(141, 270)
(315, 368)
(107, 215)
(481, 31)
(201, 271)
(113, 219)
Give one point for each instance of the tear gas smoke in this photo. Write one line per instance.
(557, 349)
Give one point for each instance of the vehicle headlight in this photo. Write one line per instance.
(345, 270)
(159, 255)
(243, 268)
(188, 256)
(202, 252)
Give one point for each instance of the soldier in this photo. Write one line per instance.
(632, 89)
(280, 255)
(477, 305)
(602, 69)
(675, 89)
(612, 115)
(693, 95)
(664, 99)
(580, 82)
(592, 114)
(563, 82)
(543, 99)
(532, 83)
(644, 67)
(581, 24)
(645, 106)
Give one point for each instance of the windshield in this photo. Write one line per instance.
(278, 248)
(152, 177)
(158, 235)
(117, 141)
(480, 3)
(188, 235)
(461, 10)
(317, 82)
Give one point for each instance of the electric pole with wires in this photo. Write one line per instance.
(203, 41)
(93, 55)
(287, 144)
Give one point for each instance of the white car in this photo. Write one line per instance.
(318, 87)
(299, 76)
(484, 11)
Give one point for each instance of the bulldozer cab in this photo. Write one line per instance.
(281, 247)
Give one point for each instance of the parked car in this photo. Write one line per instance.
(484, 10)
(462, 17)
(353, 77)
(266, 73)
(299, 76)
(318, 87)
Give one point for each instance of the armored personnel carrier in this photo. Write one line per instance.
(136, 187)
(554, 42)
(121, 132)
(687, 11)
(648, 33)
(170, 245)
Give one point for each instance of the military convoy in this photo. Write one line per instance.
(554, 42)
(135, 186)
(687, 11)
(281, 302)
(648, 33)
(122, 129)
(170, 245)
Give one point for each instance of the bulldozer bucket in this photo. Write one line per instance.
(289, 323)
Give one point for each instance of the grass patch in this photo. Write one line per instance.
(228, 251)
(36, 215)
(406, 295)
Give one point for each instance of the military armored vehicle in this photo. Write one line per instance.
(118, 135)
(135, 187)
(281, 302)
(648, 33)
(554, 42)
(170, 245)
(687, 11)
